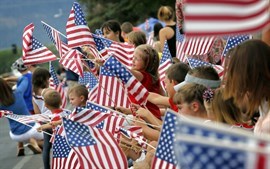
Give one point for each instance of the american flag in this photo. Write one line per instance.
(33, 51)
(111, 91)
(26, 119)
(180, 39)
(164, 64)
(63, 156)
(198, 45)
(232, 42)
(123, 52)
(95, 148)
(197, 63)
(88, 117)
(5, 112)
(88, 79)
(27, 38)
(78, 33)
(134, 87)
(100, 46)
(99, 32)
(72, 61)
(57, 85)
(208, 145)
(112, 122)
(165, 152)
(133, 132)
(225, 17)
(54, 36)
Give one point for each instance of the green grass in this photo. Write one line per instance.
(7, 58)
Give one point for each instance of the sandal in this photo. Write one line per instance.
(20, 152)
(36, 150)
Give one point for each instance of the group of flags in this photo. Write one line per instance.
(91, 134)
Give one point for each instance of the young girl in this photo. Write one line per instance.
(136, 38)
(78, 95)
(248, 77)
(145, 68)
(112, 30)
(189, 99)
(14, 101)
(40, 81)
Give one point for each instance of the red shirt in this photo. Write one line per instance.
(173, 106)
(56, 111)
(147, 82)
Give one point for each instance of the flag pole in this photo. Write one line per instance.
(26, 124)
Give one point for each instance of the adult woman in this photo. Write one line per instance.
(248, 78)
(13, 101)
(112, 30)
(166, 15)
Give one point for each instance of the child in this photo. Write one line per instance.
(53, 102)
(204, 75)
(248, 81)
(173, 76)
(78, 95)
(189, 99)
(136, 38)
(145, 68)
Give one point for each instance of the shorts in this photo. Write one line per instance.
(32, 133)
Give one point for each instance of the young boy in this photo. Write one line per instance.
(53, 102)
(173, 76)
(78, 95)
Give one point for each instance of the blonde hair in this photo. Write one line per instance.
(79, 90)
(166, 13)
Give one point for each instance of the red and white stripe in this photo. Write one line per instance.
(222, 17)
(77, 35)
(27, 38)
(198, 46)
(72, 61)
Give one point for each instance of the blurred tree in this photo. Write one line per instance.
(134, 11)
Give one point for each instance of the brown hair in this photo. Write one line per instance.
(190, 92)
(137, 38)
(166, 13)
(127, 27)
(177, 72)
(204, 72)
(224, 110)
(249, 73)
(6, 94)
(40, 79)
(52, 98)
(151, 60)
(79, 90)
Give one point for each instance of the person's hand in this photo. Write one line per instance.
(39, 129)
(142, 112)
(99, 61)
(123, 110)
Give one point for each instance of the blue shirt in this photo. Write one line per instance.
(26, 80)
(18, 107)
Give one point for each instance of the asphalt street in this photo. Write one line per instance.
(8, 150)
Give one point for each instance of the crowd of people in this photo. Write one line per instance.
(240, 98)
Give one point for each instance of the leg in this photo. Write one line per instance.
(46, 150)
(20, 149)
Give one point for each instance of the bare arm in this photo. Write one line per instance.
(158, 99)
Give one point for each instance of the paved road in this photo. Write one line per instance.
(8, 150)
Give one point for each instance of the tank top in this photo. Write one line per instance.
(172, 42)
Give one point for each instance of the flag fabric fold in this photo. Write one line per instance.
(210, 145)
(33, 51)
(225, 17)
(134, 87)
(78, 33)
(95, 148)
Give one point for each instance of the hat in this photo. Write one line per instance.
(19, 65)
(192, 79)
